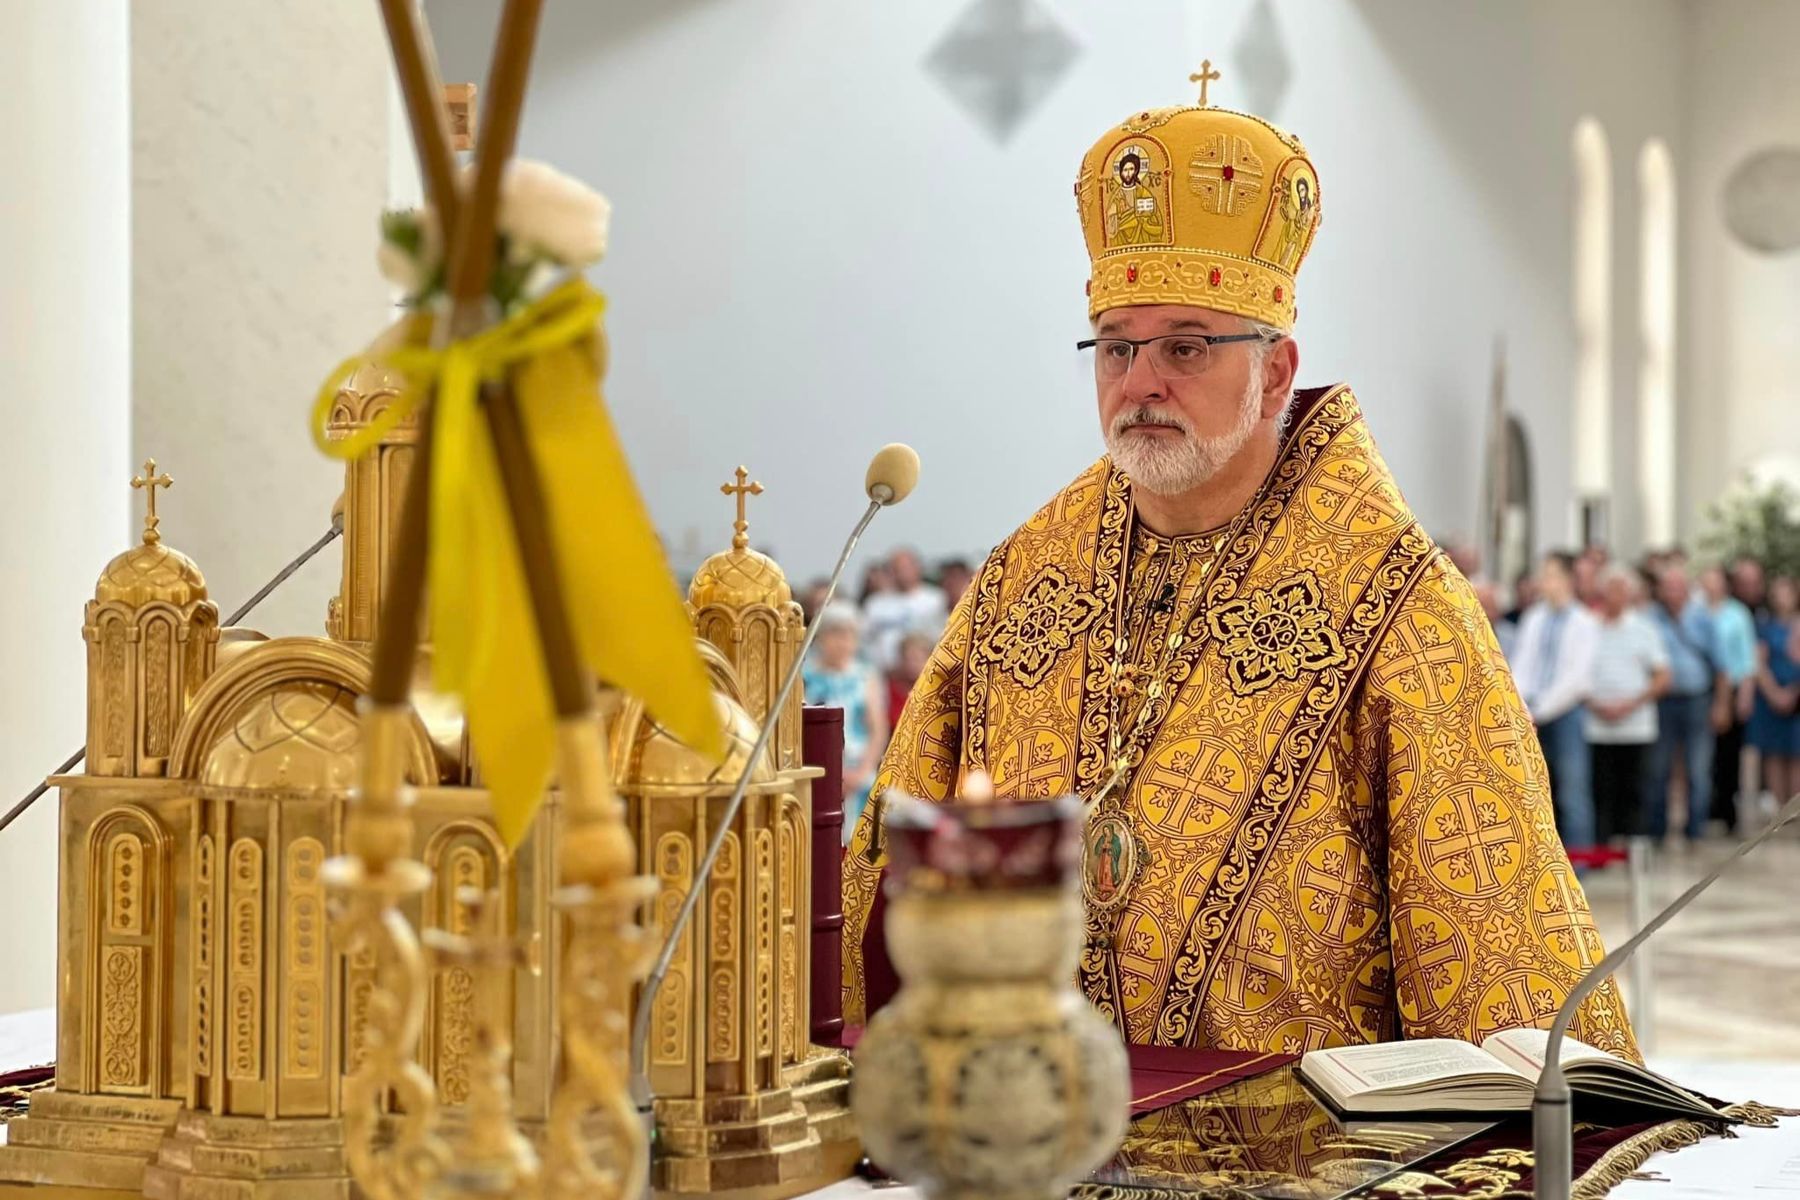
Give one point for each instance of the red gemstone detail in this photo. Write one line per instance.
(1088, 287)
(1215, 277)
(1278, 295)
(1228, 173)
(1131, 274)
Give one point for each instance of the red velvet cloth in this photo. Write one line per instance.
(1165, 1075)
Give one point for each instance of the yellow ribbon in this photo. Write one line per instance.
(630, 626)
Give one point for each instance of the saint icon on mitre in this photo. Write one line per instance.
(1133, 216)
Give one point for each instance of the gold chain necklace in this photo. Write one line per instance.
(1114, 854)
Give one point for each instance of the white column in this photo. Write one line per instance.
(65, 342)
(1592, 302)
(1657, 487)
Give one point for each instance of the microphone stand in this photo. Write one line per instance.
(880, 494)
(1552, 1134)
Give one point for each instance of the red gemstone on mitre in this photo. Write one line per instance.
(1088, 287)
(1215, 277)
(1228, 173)
(1278, 294)
(1131, 274)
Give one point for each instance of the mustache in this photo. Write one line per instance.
(1144, 415)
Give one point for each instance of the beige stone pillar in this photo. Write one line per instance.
(259, 169)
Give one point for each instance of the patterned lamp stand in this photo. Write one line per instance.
(988, 1075)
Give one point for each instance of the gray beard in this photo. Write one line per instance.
(1168, 468)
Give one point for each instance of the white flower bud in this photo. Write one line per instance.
(547, 212)
(399, 268)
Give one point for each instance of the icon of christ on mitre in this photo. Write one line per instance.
(1317, 810)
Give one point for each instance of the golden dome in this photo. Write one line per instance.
(738, 578)
(657, 758)
(299, 737)
(149, 572)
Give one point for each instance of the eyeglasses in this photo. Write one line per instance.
(1173, 355)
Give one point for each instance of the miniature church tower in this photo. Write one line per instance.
(151, 635)
(741, 603)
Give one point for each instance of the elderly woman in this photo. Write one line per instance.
(837, 677)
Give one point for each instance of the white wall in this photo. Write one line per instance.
(65, 274)
(259, 170)
(1741, 310)
(815, 251)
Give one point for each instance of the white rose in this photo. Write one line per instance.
(556, 215)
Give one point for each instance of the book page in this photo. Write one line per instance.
(1524, 1049)
(1386, 1066)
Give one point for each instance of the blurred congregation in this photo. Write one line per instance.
(1665, 691)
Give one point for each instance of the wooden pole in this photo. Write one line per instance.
(472, 249)
(423, 92)
(397, 632)
(471, 266)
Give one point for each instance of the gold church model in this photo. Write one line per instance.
(206, 1021)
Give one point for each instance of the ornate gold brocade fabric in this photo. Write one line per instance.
(1341, 809)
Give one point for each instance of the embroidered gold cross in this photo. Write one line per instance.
(743, 491)
(149, 481)
(1203, 77)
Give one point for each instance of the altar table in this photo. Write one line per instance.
(1759, 1164)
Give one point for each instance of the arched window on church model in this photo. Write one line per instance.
(1592, 466)
(1656, 343)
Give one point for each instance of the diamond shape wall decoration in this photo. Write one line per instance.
(1262, 62)
(1000, 59)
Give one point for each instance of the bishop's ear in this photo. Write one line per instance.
(1280, 368)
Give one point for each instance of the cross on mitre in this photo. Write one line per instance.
(1203, 76)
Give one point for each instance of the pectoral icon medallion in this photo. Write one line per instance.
(1112, 858)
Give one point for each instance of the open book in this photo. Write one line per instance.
(1500, 1075)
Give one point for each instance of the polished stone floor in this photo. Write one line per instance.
(1725, 973)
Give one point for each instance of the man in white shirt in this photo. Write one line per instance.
(1553, 666)
(1630, 673)
(912, 605)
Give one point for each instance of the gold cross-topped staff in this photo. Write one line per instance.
(149, 481)
(743, 491)
(1203, 76)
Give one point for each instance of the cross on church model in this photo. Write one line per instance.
(1204, 76)
(743, 491)
(149, 481)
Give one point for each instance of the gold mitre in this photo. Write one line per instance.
(1197, 206)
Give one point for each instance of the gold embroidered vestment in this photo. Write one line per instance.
(1340, 814)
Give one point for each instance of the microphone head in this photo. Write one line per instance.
(892, 474)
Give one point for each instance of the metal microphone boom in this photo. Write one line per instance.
(1552, 1135)
(891, 476)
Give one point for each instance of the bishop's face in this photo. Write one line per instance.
(1172, 433)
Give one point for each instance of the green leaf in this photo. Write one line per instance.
(1756, 522)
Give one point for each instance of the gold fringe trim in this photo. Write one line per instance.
(1622, 1161)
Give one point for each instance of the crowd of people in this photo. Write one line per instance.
(1648, 684)
(870, 651)
(1653, 687)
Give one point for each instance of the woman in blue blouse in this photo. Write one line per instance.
(836, 677)
(1774, 727)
